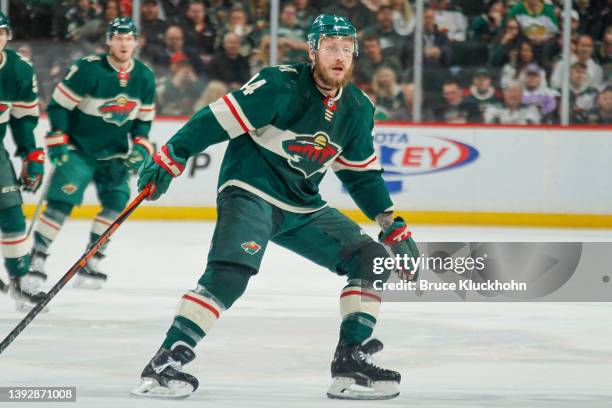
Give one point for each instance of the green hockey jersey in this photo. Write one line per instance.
(19, 107)
(98, 106)
(283, 136)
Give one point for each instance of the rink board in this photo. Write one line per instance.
(547, 176)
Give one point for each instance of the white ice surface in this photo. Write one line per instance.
(273, 348)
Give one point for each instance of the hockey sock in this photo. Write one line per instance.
(51, 222)
(359, 307)
(102, 221)
(220, 286)
(14, 245)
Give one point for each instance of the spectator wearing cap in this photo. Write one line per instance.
(153, 28)
(228, 65)
(450, 19)
(436, 46)
(582, 94)
(584, 55)
(481, 93)
(360, 15)
(174, 43)
(390, 40)
(512, 111)
(535, 92)
(519, 59)
(601, 114)
(455, 109)
(179, 89)
(197, 29)
(488, 25)
(372, 58)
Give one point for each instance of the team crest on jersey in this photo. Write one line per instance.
(251, 247)
(309, 154)
(117, 110)
(69, 189)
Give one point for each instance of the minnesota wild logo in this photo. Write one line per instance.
(117, 110)
(251, 247)
(310, 154)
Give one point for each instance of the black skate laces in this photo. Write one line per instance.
(367, 359)
(176, 365)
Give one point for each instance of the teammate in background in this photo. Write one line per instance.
(19, 109)
(101, 100)
(286, 127)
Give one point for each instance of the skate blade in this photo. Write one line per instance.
(345, 388)
(150, 388)
(82, 282)
(25, 307)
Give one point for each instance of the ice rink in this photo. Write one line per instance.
(273, 348)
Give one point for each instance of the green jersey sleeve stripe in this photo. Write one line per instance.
(65, 97)
(21, 109)
(371, 163)
(234, 106)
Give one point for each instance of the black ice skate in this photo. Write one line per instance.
(25, 297)
(163, 378)
(355, 377)
(36, 275)
(89, 276)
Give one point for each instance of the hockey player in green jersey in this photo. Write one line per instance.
(101, 100)
(19, 109)
(286, 127)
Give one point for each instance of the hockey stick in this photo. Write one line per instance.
(77, 265)
(43, 198)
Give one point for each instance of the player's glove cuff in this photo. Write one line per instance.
(57, 146)
(398, 240)
(168, 161)
(33, 170)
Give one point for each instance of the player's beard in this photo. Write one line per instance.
(327, 80)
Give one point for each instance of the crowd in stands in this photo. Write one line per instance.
(484, 61)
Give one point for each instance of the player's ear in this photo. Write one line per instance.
(311, 55)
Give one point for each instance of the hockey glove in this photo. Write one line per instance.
(57, 147)
(159, 170)
(398, 240)
(33, 170)
(141, 150)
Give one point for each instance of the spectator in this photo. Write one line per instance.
(455, 109)
(371, 59)
(219, 11)
(179, 88)
(406, 113)
(238, 24)
(305, 13)
(436, 47)
(291, 36)
(601, 114)
(390, 40)
(360, 15)
(173, 10)
(515, 68)
(173, 44)
(198, 32)
(83, 12)
(537, 19)
(510, 38)
(259, 12)
(584, 55)
(513, 111)
(582, 95)
(214, 91)
(403, 17)
(535, 92)
(481, 93)
(228, 65)
(260, 58)
(603, 54)
(586, 13)
(92, 35)
(488, 26)
(153, 29)
(450, 19)
(389, 96)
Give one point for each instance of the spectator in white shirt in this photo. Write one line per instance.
(513, 111)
